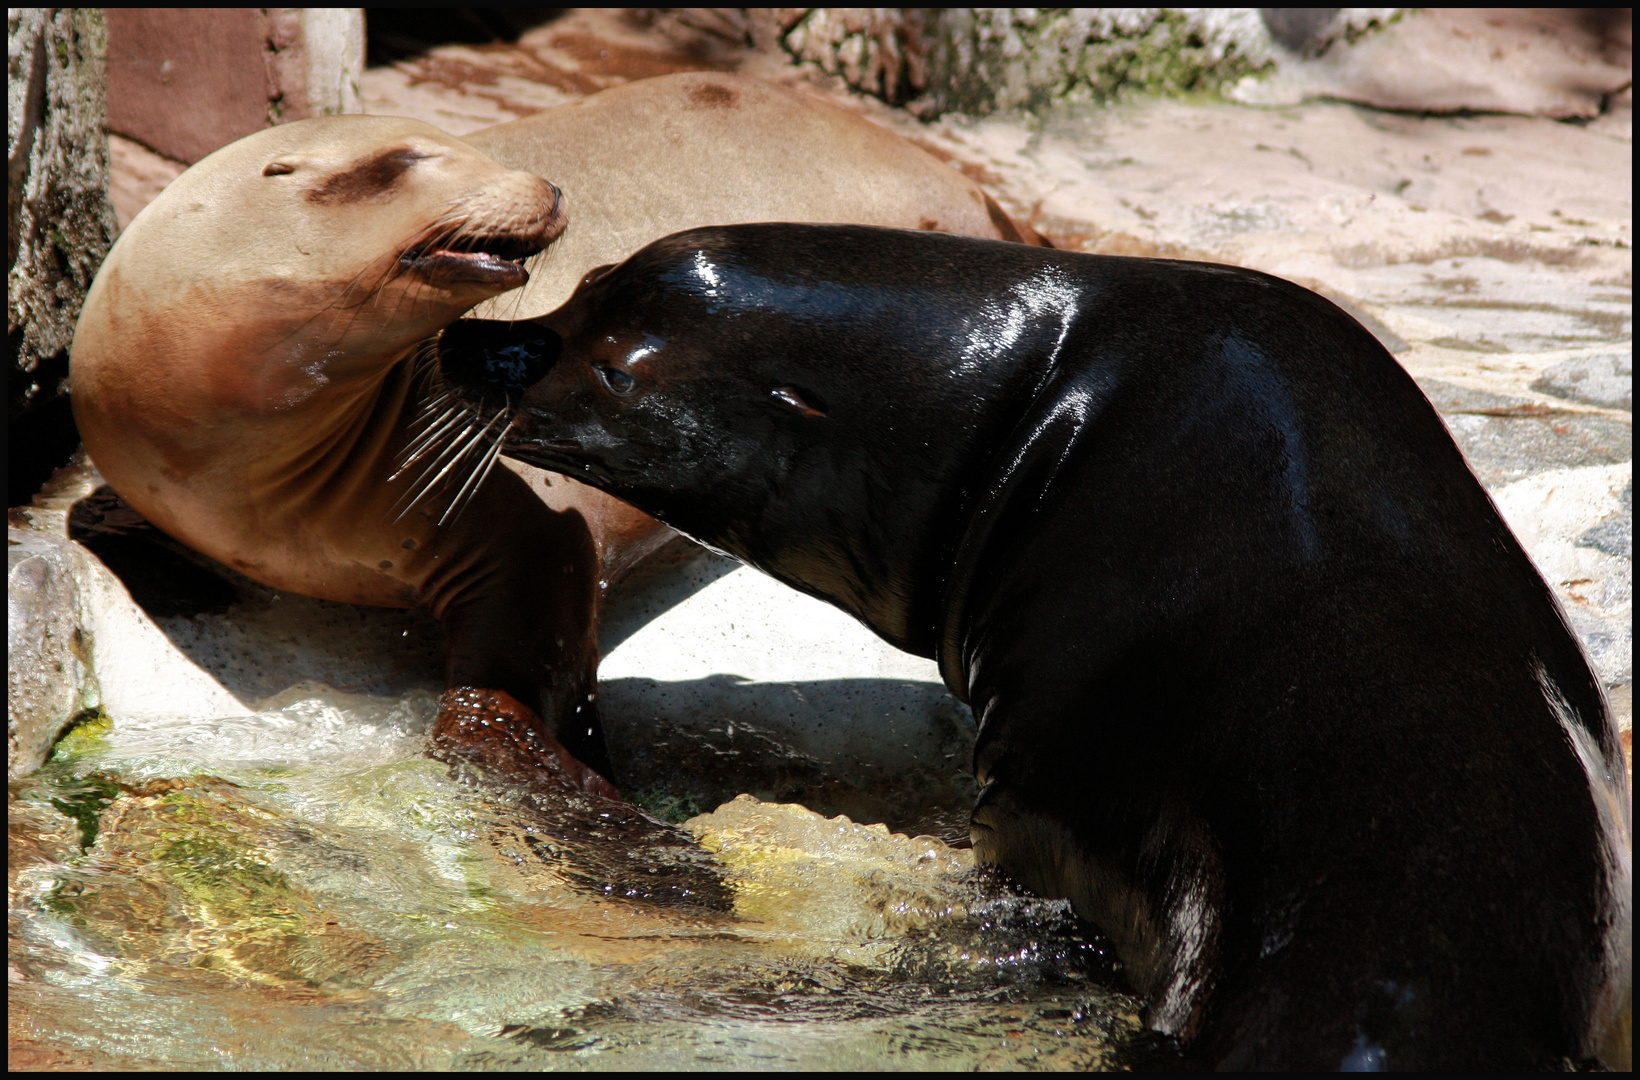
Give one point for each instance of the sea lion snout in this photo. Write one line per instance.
(478, 355)
(514, 218)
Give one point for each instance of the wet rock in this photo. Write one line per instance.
(611, 850)
(1505, 438)
(1605, 378)
(37, 833)
(186, 873)
(1560, 63)
(828, 884)
(238, 891)
(76, 643)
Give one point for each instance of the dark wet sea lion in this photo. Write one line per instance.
(1265, 684)
(245, 371)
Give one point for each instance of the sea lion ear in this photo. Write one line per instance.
(279, 167)
(789, 397)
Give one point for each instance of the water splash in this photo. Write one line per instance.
(301, 888)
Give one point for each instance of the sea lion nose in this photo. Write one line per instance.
(481, 354)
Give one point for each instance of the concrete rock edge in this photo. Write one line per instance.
(76, 641)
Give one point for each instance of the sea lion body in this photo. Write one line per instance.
(651, 158)
(245, 368)
(1264, 683)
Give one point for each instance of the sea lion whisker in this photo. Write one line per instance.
(464, 420)
(422, 435)
(464, 445)
(426, 411)
(442, 399)
(488, 461)
(458, 449)
(444, 233)
(427, 440)
(425, 369)
(430, 235)
(432, 432)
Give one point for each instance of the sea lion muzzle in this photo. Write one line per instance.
(479, 355)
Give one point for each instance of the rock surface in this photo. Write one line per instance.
(1557, 62)
(78, 644)
(59, 224)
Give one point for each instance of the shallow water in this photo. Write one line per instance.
(302, 889)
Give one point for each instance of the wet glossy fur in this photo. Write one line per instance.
(1265, 684)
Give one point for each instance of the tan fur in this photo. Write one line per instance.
(236, 370)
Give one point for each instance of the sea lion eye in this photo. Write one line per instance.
(278, 168)
(617, 382)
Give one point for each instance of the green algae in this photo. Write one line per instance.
(671, 806)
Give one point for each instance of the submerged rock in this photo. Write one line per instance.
(263, 887)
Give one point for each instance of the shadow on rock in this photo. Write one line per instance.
(895, 751)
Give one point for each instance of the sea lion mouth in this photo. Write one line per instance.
(490, 260)
(555, 455)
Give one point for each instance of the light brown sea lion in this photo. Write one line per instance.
(245, 370)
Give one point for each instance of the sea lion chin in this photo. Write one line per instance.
(1265, 685)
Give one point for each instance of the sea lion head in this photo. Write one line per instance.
(310, 253)
(800, 397)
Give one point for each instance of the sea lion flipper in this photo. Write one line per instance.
(496, 732)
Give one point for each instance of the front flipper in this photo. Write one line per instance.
(516, 589)
(492, 730)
